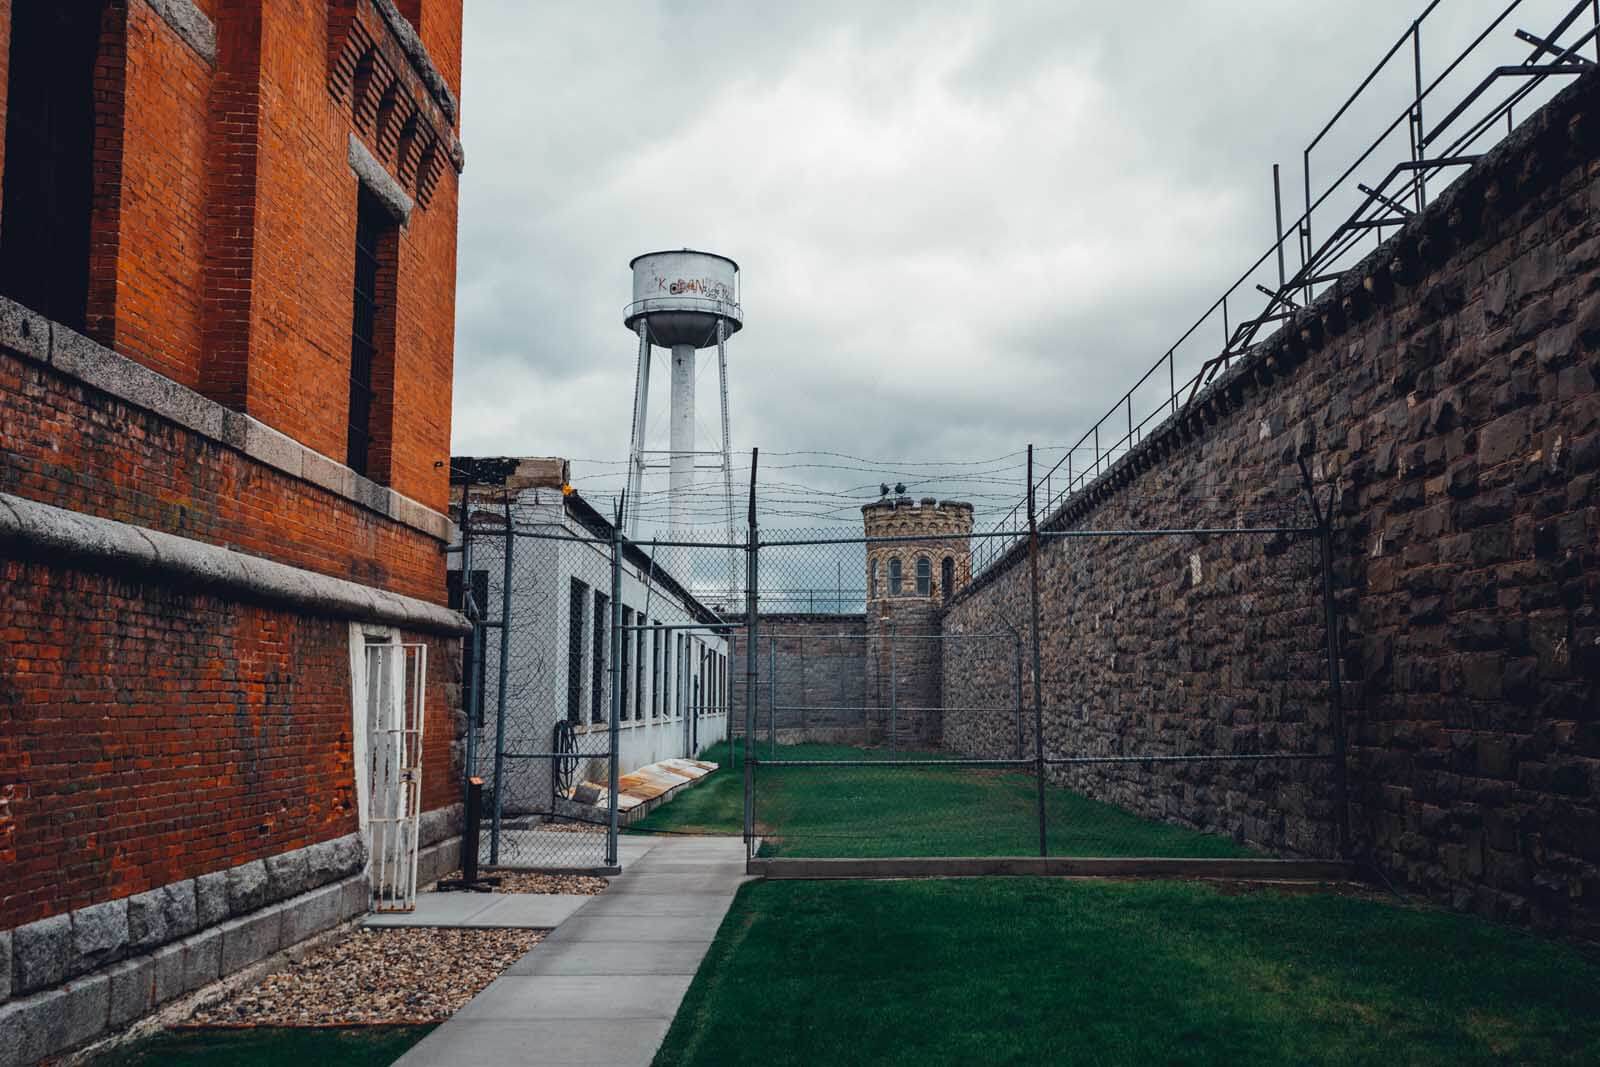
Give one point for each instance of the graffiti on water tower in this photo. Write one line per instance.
(709, 288)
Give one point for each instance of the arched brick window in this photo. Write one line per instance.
(894, 576)
(924, 576)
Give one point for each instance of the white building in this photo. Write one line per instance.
(551, 733)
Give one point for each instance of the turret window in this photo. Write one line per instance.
(924, 576)
(894, 577)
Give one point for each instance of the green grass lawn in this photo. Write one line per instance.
(915, 811)
(359, 1046)
(1027, 971)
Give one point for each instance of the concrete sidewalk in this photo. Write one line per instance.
(604, 986)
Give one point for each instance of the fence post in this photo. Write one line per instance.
(894, 700)
(500, 699)
(1016, 687)
(772, 695)
(617, 682)
(751, 574)
(1038, 695)
(1330, 616)
(474, 612)
(800, 653)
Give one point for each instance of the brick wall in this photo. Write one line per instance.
(1446, 389)
(154, 735)
(154, 732)
(72, 446)
(224, 216)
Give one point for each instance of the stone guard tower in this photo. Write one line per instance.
(908, 584)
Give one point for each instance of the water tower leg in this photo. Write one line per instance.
(641, 405)
(727, 465)
(680, 480)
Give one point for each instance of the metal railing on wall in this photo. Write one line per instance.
(1473, 118)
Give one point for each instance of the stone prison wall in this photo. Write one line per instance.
(812, 679)
(1445, 391)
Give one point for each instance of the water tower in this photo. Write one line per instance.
(683, 301)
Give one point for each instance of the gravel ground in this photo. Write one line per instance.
(581, 885)
(402, 975)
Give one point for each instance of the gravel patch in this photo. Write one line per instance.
(581, 885)
(401, 975)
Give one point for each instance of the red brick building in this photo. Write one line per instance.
(227, 267)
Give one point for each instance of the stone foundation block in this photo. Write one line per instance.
(133, 990)
(356, 897)
(289, 874)
(202, 959)
(311, 914)
(5, 966)
(88, 1006)
(42, 951)
(167, 979)
(211, 898)
(33, 1028)
(161, 915)
(99, 935)
(248, 888)
(254, 937)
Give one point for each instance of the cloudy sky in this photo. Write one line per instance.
(962, 227)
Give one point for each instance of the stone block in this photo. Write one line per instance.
(33, 1028)
(262, 442)
(1503, 439)
(42, 952)
(5, 966)
(251, 938)
(211, 899)
(133, 990)
(311, 914)
(167, 973)
(356, 897)
(161, 915)
(248, 888)
(351, 853)
(202, 959)
(322, 863)
(99, 935)
(24, 331)
(147, 926)
(88, 1006)
(288, 874)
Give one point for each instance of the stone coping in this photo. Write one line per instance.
(191, 24)
(75, 356)
(58, 534)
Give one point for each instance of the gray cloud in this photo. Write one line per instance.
(962, 227)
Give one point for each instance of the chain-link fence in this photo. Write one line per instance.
(594, 665)
(1142, 688)
(1157, 684)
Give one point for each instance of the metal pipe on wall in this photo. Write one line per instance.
(614, 719)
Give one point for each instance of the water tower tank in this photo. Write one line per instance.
(681, 295)
(682, 301)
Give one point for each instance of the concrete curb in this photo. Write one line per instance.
(1058, 866)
